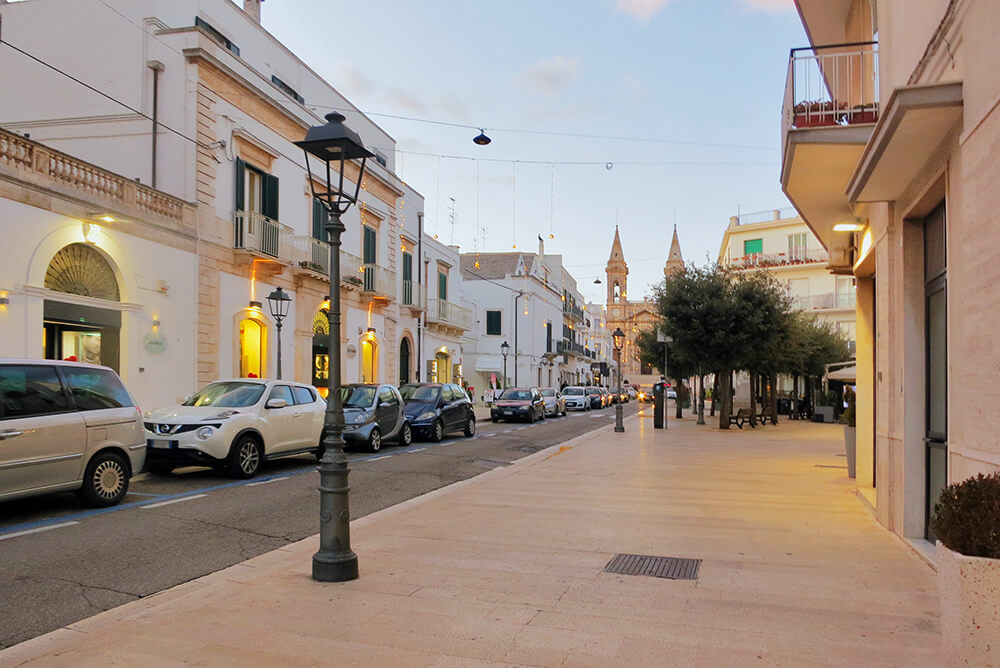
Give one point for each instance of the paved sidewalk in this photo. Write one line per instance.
(506, 568)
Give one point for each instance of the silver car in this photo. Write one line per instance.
(67, 426)
(372, 414)
(555, 402)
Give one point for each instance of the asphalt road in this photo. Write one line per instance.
(61, 562)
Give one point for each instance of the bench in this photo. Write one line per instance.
(742, 415)
(764, 416)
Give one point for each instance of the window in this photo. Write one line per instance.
(386, 396)
(442, 286)
(753, 246)
(407, 278)
(216, 35)
(319, 220)
(253, 337)
(31, 390)
(303, 395)
(288, 90)
(256, 192)
(493, 323)
(282, 392)
(94, 389)
(797, 246)
(548, 337)
(381, 159)
(369, 246)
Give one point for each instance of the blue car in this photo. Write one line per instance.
(433, 409)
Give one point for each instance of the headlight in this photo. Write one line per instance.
(362, 418)
(429, 415)
(204, 433)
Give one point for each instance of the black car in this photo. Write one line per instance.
(519, 403)
(432, 409)
(596, 396)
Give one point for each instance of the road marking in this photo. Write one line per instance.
(38, 530)
(167, 503)
(267, 482)
(518, 428)
(488, 435)
(375, 459)
(420, 449)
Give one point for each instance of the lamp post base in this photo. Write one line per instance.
(334, 566)
(619, 427)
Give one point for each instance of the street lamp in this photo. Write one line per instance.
(278, 301)
(618, 337)
(505, 350)
(334, 143)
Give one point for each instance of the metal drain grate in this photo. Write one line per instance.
(657, 567)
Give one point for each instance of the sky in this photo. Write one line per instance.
(640, 113)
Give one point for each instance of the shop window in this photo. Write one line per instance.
(369, 361)
(253, 346)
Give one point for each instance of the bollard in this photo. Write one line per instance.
(659, 405)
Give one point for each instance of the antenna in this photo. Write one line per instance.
(451, 218)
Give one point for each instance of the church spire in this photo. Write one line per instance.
(675, 261)
(617, 272)
(617, 255)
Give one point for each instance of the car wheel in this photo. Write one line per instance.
(470, 427)
(159, 468)
(405, 435)
(494, 420)
(531, 416)
(375, 440)
(244, 458)
(105, 481)
(437, 431)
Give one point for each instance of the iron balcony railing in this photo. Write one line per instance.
(411, 293)
(573, 311)
(827, 300)
(830, 86)
(444, 312)
(311, 253)
(377, 280)
(763, 216)
(571, 347)
(762, 260)
(256, 232)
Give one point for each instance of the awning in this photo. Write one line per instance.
(847, 374)
(489, 363)
(909, 133)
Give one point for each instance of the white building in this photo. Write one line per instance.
(230, 100)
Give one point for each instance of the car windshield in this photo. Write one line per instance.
(573, 390)
(420, 392)
(357, 396)
(516, 395)
(227, 395)
(593, 390)
(548, 393)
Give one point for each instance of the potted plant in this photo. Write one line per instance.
(966, 522)
(850, 440)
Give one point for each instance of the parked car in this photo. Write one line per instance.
(372, 414)
(234, 425)
(671, 393)
(576, 398)
(555, 403)
(646, 396)
(67, 426)
(597, 397)
(433, 409)
(519, 403)
(631, 391)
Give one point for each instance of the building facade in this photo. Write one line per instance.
(892, 165)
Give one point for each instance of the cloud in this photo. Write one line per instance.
(634, 85)
(551, 76)
(353, 81)
(768, 5)
(454, 107)
(641, 9)
(401, 99)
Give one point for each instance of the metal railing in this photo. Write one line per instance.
(378, 280)
(763, 216)
(411, 293)
(573, 310)
(831, 85)
(256, 232)
(764, 260)
(827, 300)
(445, 312)
(311, 253)
(571, 347)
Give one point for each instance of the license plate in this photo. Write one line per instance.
(508, 412)
(160, 443)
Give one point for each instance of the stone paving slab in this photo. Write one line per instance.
(507, 569)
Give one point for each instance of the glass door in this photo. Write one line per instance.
(936, 334)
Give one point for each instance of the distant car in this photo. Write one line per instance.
(374, 413)
(555, 403)
(433, 409)
(67, 426)
(576, 398)
(631, 391)
(646, 396)
(597, 397)
(519, 403)
(671, 393)
(234, 425)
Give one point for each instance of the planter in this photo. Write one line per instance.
(850, 444)
(969, 588)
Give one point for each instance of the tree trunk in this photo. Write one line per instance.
(701, 399)
(715, 393)
(794, 399)
(753, 400)
(677, 402)
(726, 407)
(772, 397)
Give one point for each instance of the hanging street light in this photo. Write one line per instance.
(505, 350)
(334, 145)
(618, 339)
(278, 302)
(481, 138)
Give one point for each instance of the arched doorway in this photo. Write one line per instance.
(369, 360)
(84, 333)
(404, 361)
(320, 353)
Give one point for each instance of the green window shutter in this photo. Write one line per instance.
(407, 267)
(269, 198)
(493, 323)
(241, 168)
(753, 246)
(369, 247)
(319, 219)
(442, 285)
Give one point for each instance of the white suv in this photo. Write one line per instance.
(234, 425)
(67, 426)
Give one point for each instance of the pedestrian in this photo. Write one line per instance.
(472, 393)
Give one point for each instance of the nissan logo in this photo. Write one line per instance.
(163, 429)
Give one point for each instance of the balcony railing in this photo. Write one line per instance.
(311, 253)
(411, 293)
(763, 216)
(828, 300)
(256, 232)
(765, 260)
(444, 312)
(831, 85)
(377, 280)
(571, 347)
(573, 311)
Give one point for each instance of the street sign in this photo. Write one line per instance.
(663, 338)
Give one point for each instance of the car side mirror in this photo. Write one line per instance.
(384, 404)
(275, 403)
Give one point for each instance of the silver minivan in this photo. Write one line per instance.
(67, 426)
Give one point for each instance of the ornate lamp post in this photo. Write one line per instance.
(278, 302)
(505, 350)
(619, 340)
(336, 144)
